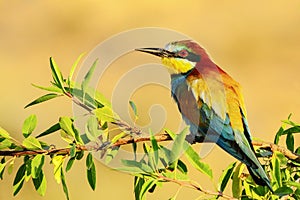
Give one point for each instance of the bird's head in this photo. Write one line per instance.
(179, 56)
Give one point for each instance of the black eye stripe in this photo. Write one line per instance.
(191, 57)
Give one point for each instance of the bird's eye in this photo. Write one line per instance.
(183, 53)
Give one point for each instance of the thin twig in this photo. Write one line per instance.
(196, 187)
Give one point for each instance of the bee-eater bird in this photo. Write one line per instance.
(210, 102)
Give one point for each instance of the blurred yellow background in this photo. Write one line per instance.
(257, 42)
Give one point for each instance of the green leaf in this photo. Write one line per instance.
(295, 184)
(64, 184)
(19, 179)
(179, 144)
(29, 125)
(182, 167)
(78, 139)
(195, 160)
(89, 160)
(37, 165)
(43, 99)
(117, 137)
(66, 125)
(236, 181)
(155, 148)
(104, 114)
(74, 67)
(2, 167)
(56, 74)
(278, 134)
(91, 171)
(282, 191)
(225, 177)
(4, 133)
(58, 163)
(92, 128)
(88, 77)
(50, 130)
(138, 183)
(79, 155)
(6, 143)
(40, 183)
(31, 143)
(134, 108)
(146, 186)
(49, 89)
(111, 153)
(73, 151)
(290, 142)
(276, 170)
(70, 164)
(11, 166)
(134, 164)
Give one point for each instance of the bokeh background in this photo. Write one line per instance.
(257, 42)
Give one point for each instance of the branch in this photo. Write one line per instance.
(62, 151)
(196, 187)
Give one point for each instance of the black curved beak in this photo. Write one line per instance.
(157, 52)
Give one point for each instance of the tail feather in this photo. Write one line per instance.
(250, 160)
(260, 177)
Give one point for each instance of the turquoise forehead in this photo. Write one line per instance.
(175, 47)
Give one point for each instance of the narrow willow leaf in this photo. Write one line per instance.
(29, 125)
(50, 130)
(276, 170)
(56, 74)
(145, 187)
(70, 164)
(66, 125)
(104, 114)
(282, 191)
(73, 151)
(40, 183)
(136, 164)
(58, 163)
(19, 179)
(138, 183)
(64, 184)
(11, 166)
(5, 144)
(77, 137)
(237, 181)
(195, 160)
(74, 67)
(89, 161)
(86, 81)
(278, 134)
(92, 128)
(31, 143)
(178, 145)
(2, 167)
(91, 171)
(226, 176)
(110, 154)
(290, 142)
(155, 148)
(49, 89)
(134, 108)
(182, 167)
(79, 155)
(42, 99)
(117, 137)
(4, 133)
(37, 165)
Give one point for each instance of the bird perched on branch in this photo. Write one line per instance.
(210, 102)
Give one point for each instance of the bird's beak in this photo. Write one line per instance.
(157, 52)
